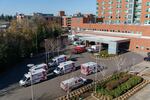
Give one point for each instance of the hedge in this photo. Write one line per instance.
(119, 84)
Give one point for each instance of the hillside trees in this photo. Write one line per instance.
(25, 37)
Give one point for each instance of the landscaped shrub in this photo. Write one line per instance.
(113, 84)
(118, 84)
(133, 81)
(105, 54)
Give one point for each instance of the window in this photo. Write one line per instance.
(119, 1)
(147, 16)
(137, 46)
(148, 10)
(147, 22)
(118, 11)
(118, 6)
(103, 3)
(142, 47)
(147, 3)
(130, 5)
(147, 48)
(110, 2)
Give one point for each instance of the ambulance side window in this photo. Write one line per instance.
(61, 69)
(28, 79)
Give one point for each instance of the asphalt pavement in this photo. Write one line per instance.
(50, 89)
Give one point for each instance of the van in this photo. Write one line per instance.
(94, 48)
(39, 66)
(56, 60)
(72, 83)
(36, 75)
(88, 68)
(65, 67)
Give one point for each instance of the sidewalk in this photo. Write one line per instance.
(90, 98)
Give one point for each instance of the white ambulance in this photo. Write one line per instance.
(72, 83)
(89, 67)
(65, 67)
(56, 60)
(94, 48)
(39, 66)
(37, 76)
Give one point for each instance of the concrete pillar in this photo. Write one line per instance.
(112, 48)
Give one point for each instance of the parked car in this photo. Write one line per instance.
(72, 83)
(36, 75)
(65, 67)
(79, 49)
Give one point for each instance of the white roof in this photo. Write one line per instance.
(100, 37)
(65, 63)
(70, 80)
(34, 72)
(41, 65)
(89, 64)
(61, 56)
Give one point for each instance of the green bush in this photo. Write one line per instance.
(104, 54)
(119, 83)
(114, 83)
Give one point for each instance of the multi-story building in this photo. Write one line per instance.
(66, 22)
(123, 22)
(50, 18)
(124, 11)
(61, 13)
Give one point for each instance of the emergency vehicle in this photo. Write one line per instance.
(79, 49)
(39, 66)
(94, 48)
(65, 67)
(89, 68)
(33, 76)
(56, 60)
(72, 83)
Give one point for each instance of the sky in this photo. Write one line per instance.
(10, 7)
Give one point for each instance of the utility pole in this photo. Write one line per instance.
(96, 72)
(32, 93)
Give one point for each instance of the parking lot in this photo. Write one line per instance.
(50, 89)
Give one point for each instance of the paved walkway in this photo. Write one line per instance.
(90, 98)
(143, 94)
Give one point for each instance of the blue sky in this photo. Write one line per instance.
(47, 6)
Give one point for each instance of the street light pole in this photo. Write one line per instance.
(96, 73)
(32, 94)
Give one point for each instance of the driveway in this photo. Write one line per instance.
(50, 89)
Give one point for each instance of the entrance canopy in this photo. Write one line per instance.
(112, 41)
(100, 38)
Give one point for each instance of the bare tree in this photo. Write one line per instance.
(120, 62)
(52, 45)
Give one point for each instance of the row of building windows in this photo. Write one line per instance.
(142, 47)
(106, 30)
(128, 5)
(147, 22)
